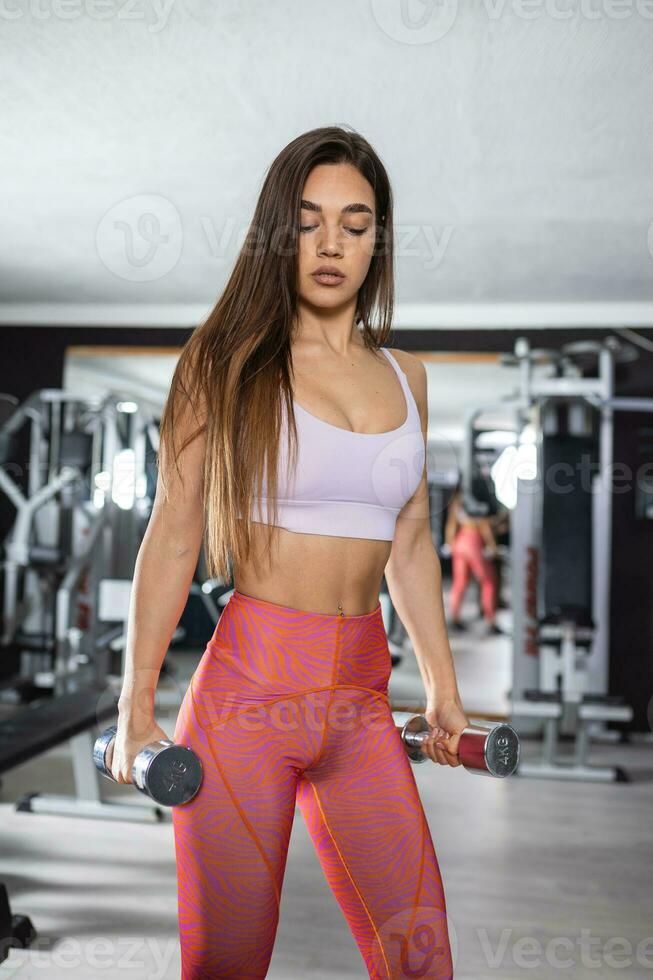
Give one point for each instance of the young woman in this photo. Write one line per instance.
(468, 537)
(294, 444)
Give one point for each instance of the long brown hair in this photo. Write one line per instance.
(234, 372)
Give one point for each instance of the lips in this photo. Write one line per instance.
(328, 275)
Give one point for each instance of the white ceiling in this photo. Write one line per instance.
(518, 141)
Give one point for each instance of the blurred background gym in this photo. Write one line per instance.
(518, 142)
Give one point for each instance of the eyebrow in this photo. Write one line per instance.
(356, 208)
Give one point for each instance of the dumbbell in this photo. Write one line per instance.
(492, 751)
(169, 774)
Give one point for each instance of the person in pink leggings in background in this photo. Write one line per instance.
(467, 537)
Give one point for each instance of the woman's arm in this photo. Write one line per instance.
(163, 572)
(414, 579)
(451, 525)
(485, 527)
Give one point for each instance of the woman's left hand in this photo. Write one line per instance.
(447, 720)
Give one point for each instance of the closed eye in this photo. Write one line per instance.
(352, 231)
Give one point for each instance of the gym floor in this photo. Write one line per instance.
(532, 889)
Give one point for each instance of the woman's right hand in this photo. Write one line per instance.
(134, 733)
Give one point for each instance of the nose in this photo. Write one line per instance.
(329, 242)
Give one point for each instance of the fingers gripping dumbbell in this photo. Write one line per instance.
(487, 751)
(169, 774)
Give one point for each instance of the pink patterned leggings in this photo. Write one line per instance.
(467, 559)
(290, 708)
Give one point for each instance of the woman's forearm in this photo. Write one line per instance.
(415, 586)
(163, 573)
(450, 531)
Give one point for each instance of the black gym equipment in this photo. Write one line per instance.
(15, 930)
(27, 733)
(69, 535)
(561, 550)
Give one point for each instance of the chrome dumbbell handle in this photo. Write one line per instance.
(414, 729)
(483, 750)
(101, 747)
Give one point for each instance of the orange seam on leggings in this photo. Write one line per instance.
(243, 816)
(349, 874)
(421, 874)
(331, 689)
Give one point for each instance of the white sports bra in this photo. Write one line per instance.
(348, 484)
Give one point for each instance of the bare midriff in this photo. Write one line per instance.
(314, 572)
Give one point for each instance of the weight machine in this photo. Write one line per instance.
(79, 472)
(561, 544)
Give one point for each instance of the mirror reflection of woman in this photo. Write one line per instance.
(289, 704)
(473, 547)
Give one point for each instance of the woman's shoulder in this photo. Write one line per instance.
(415, 371)
(409, 363)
